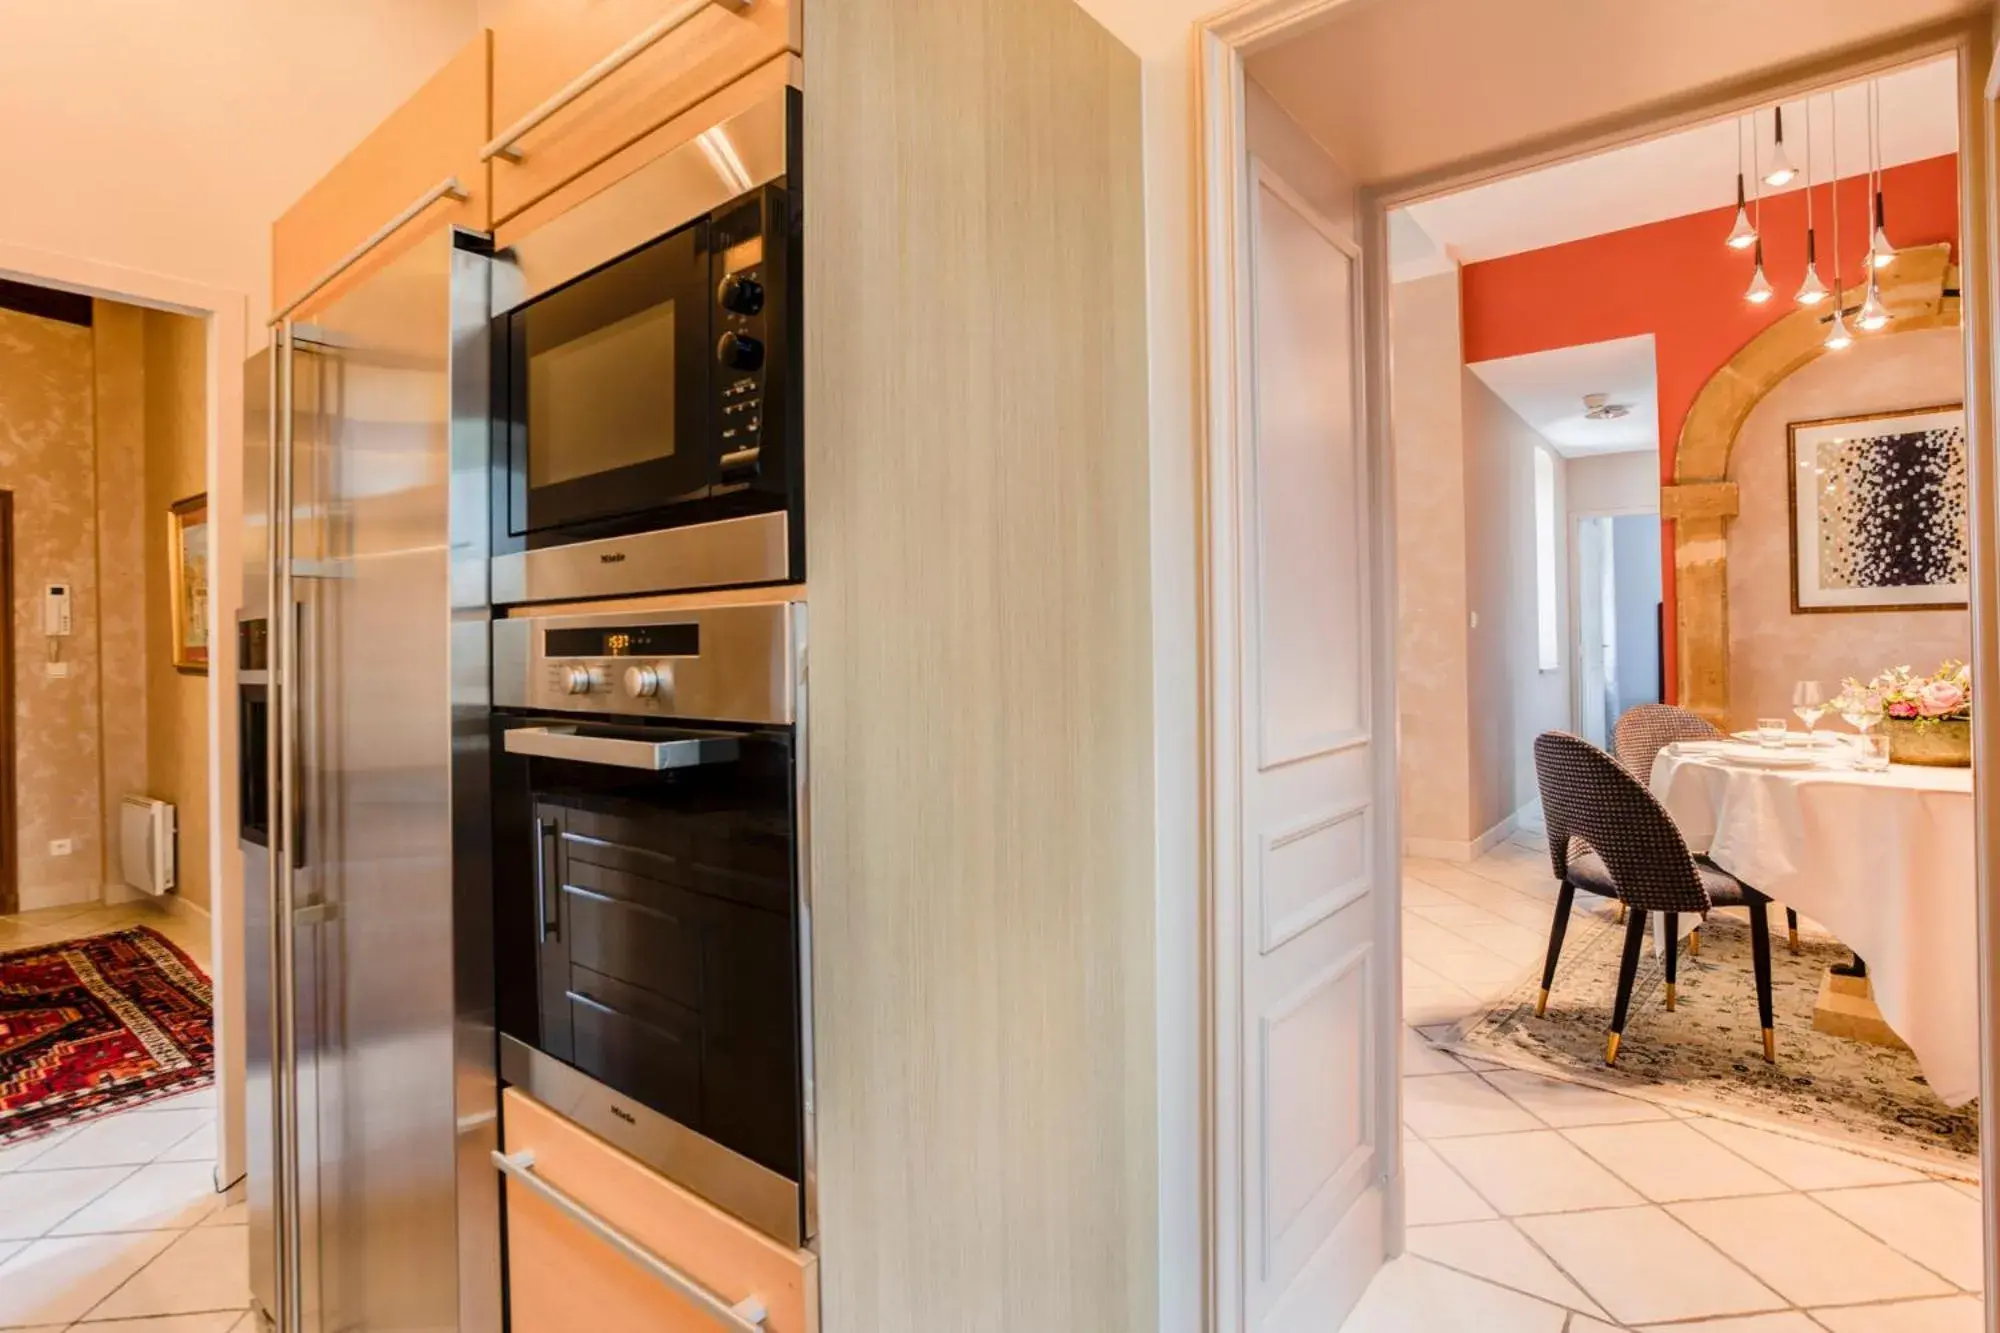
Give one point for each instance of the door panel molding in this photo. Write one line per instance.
(1281, 922)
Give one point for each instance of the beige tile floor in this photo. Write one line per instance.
(115, 1226)
(1540, 1206)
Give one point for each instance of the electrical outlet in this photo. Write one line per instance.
(61, 846)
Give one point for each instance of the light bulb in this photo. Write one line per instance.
(1880, 252)
(1838, 337)
(1760, 286)
(1873, 313)
(1812, 291)
(1782, 170)
(1744, 234)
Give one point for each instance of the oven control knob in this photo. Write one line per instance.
(739, 351)
(576, 680)
(742, 294)
(642, 682)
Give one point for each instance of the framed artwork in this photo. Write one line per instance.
(187, 573)
(1880, 512)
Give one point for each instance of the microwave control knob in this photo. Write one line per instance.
(742, 294)
(739, 351)
(576, 680)
(642, 682)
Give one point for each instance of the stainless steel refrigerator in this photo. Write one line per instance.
(364, 640)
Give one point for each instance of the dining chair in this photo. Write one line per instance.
(1632, 851)
(1643, 730)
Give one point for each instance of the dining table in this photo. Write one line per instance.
(1882, 859)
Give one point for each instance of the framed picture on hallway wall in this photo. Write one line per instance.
(1880, 512)
(187, 574)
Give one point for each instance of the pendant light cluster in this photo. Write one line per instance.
(1746, 233)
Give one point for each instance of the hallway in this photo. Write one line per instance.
(1540, 1206)
(114, 1225)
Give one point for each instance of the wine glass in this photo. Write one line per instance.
(1809, 705)
(1856, 712)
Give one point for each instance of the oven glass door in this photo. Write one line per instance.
(649, 926)
(606, 390)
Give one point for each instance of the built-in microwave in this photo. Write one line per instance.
(645, 393)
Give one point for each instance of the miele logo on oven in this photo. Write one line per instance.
(611, 558)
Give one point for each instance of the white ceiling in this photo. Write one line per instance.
(1670, 177)
(1546, 390)
(1399, 90)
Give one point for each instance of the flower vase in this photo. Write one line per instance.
(1937, 742)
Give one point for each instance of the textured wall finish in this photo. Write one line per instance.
(1770, 648)
(118, 334)
(176, 466)
(46, 461)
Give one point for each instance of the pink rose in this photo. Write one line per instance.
(1903, 709)
(1941, 698)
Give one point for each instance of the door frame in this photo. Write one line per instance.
(1223, 385)
(225, 316)
(1573, 564)
(10, 810)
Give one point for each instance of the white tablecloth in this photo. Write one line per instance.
(1883, 860)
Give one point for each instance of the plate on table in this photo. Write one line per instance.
(1821, 741)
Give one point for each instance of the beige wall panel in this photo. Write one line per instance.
(539, 46)
(438, 132)
(176, 750)
(981, 693)
(118, 336)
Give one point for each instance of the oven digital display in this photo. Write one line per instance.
(623, 641)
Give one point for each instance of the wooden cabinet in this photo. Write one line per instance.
(540, 46)
(437, 133)
(562, 1277)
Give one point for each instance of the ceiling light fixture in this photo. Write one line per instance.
(1880, 252)
(1760, 286)
(1837, 337)
(1744, 234)
(1811, 291)
(1781, 171)
(1599, 407)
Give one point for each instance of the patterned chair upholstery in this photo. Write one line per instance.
(1631, 850)
(1644, 730)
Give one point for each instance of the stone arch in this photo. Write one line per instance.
(1920, 288)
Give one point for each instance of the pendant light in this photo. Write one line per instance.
(1838, 336)
(1760, 286)
(1880, 252)
(1811, 291)
(1873, 313)
(1781, 171)
(1744, 234)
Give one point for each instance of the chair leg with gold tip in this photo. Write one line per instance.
(1628, 969)
(1792, 927)
(1760, 964)
(1565, 897)
(1673, 957)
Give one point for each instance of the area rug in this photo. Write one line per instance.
(1708, 1052)
(94, 1025)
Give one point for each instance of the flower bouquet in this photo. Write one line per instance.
(1928, 719)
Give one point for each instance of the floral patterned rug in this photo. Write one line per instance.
(1709, 1050)
(95, 1025)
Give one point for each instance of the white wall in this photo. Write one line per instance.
(1635, 544)
(1512, 700)
(165, 137)
(1614, 483)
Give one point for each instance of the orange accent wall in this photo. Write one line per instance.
(1677, 281)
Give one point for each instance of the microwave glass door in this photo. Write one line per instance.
(607, 390)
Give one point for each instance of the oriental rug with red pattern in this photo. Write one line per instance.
(99, 1024)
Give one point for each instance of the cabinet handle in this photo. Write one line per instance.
(503, 143)
(448, 188)
(745, 1316)
(545, 846)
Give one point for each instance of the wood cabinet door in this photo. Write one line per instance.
(437, 133)
(563, 1278)
(539, 46)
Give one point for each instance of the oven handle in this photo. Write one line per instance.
(545, 843)
(745, 1316)
(617, 751)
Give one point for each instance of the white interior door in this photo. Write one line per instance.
(1311, 1064)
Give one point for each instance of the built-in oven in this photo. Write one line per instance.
(651, 916)
(645, 393)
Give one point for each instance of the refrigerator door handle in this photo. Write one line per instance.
(545, 849)
(744, 1316)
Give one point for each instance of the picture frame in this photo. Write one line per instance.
(189, 552)
(1880, 517)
